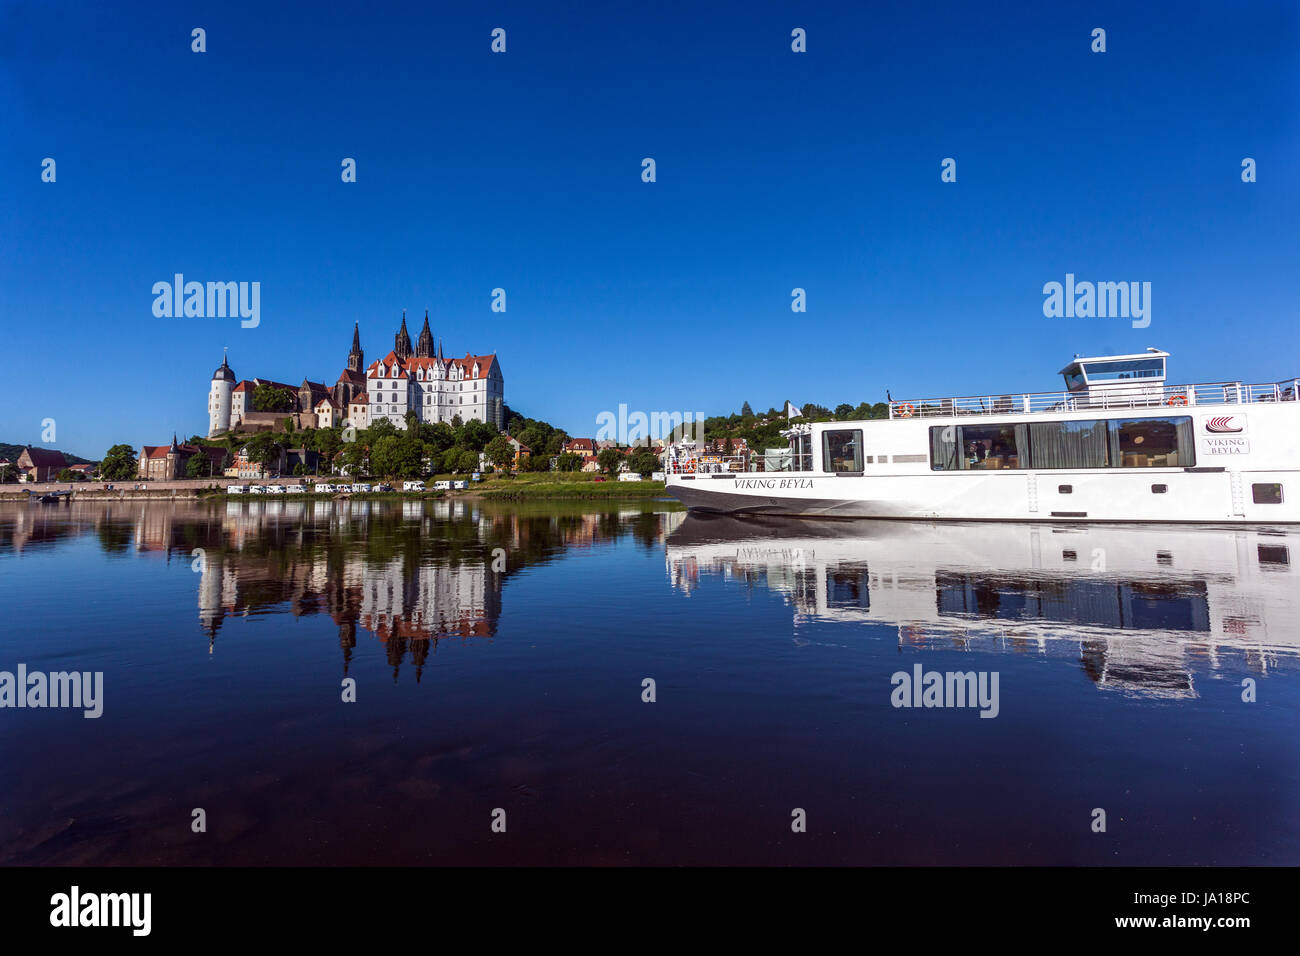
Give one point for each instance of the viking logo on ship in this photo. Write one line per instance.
(1223, 424)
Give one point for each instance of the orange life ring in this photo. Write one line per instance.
(905, 410)
(1177, 400)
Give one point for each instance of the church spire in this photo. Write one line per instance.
(424, 347)
(402, 341)
(439, 350)
(356, 358)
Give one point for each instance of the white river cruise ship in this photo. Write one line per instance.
(1118, 444)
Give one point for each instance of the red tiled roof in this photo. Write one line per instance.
(387, 361)
(485, 363)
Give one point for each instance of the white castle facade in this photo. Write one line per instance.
(420, 380)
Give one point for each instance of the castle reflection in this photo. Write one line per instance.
(1142, 609)
(409, 574)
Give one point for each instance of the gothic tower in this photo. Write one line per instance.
(424, 346)
(219, 399)
(402, 341)
(356, 358)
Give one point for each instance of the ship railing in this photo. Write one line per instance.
(1139, 396)
(738, 464)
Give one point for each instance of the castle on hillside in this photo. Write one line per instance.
(420, 380)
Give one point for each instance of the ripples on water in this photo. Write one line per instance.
(499, 654)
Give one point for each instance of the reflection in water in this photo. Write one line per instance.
(499, 651)
(1141, 607)
(408, 573)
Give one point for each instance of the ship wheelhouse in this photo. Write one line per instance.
(1106, 380)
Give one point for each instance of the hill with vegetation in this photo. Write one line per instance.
(763, 429)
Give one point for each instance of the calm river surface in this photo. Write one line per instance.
(499, 654)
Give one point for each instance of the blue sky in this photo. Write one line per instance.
(522, 170)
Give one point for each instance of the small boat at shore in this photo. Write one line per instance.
(1118, 444)
(49, 497)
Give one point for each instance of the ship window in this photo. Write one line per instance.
(1159, 489)
(842, 449)
(1068, 444)
(943, 448)
(1152, 443)
(1266, 494)
(1065, 489)
(1276, 555)
(1119, 371)
(976, 447)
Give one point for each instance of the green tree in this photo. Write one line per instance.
(300, 469)
(199, 466)
(475, 435)
(462, 461)
(644, 463)
(264, 448)
(67, 474)
(268, 398)
(441, 436)
(395, 456)
(328, 442)
(353, 457)
(119, 463)
(380, 428)
(569, 462)
(434, 459)
(609, 459)
(500, 452)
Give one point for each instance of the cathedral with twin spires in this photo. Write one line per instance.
(420, 380)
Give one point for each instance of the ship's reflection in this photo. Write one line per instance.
(1143, 609)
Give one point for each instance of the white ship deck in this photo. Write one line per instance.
(1139, 396)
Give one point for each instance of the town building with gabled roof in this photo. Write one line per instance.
(41, 464)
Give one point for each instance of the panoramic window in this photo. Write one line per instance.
(989, 448)
(1118, 371)
(842, 449)
(1152, 443)
(977, 447)
(1068, 444)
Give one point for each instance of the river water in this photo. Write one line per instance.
(1133, 698)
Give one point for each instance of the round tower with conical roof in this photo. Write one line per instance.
(219, 399)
